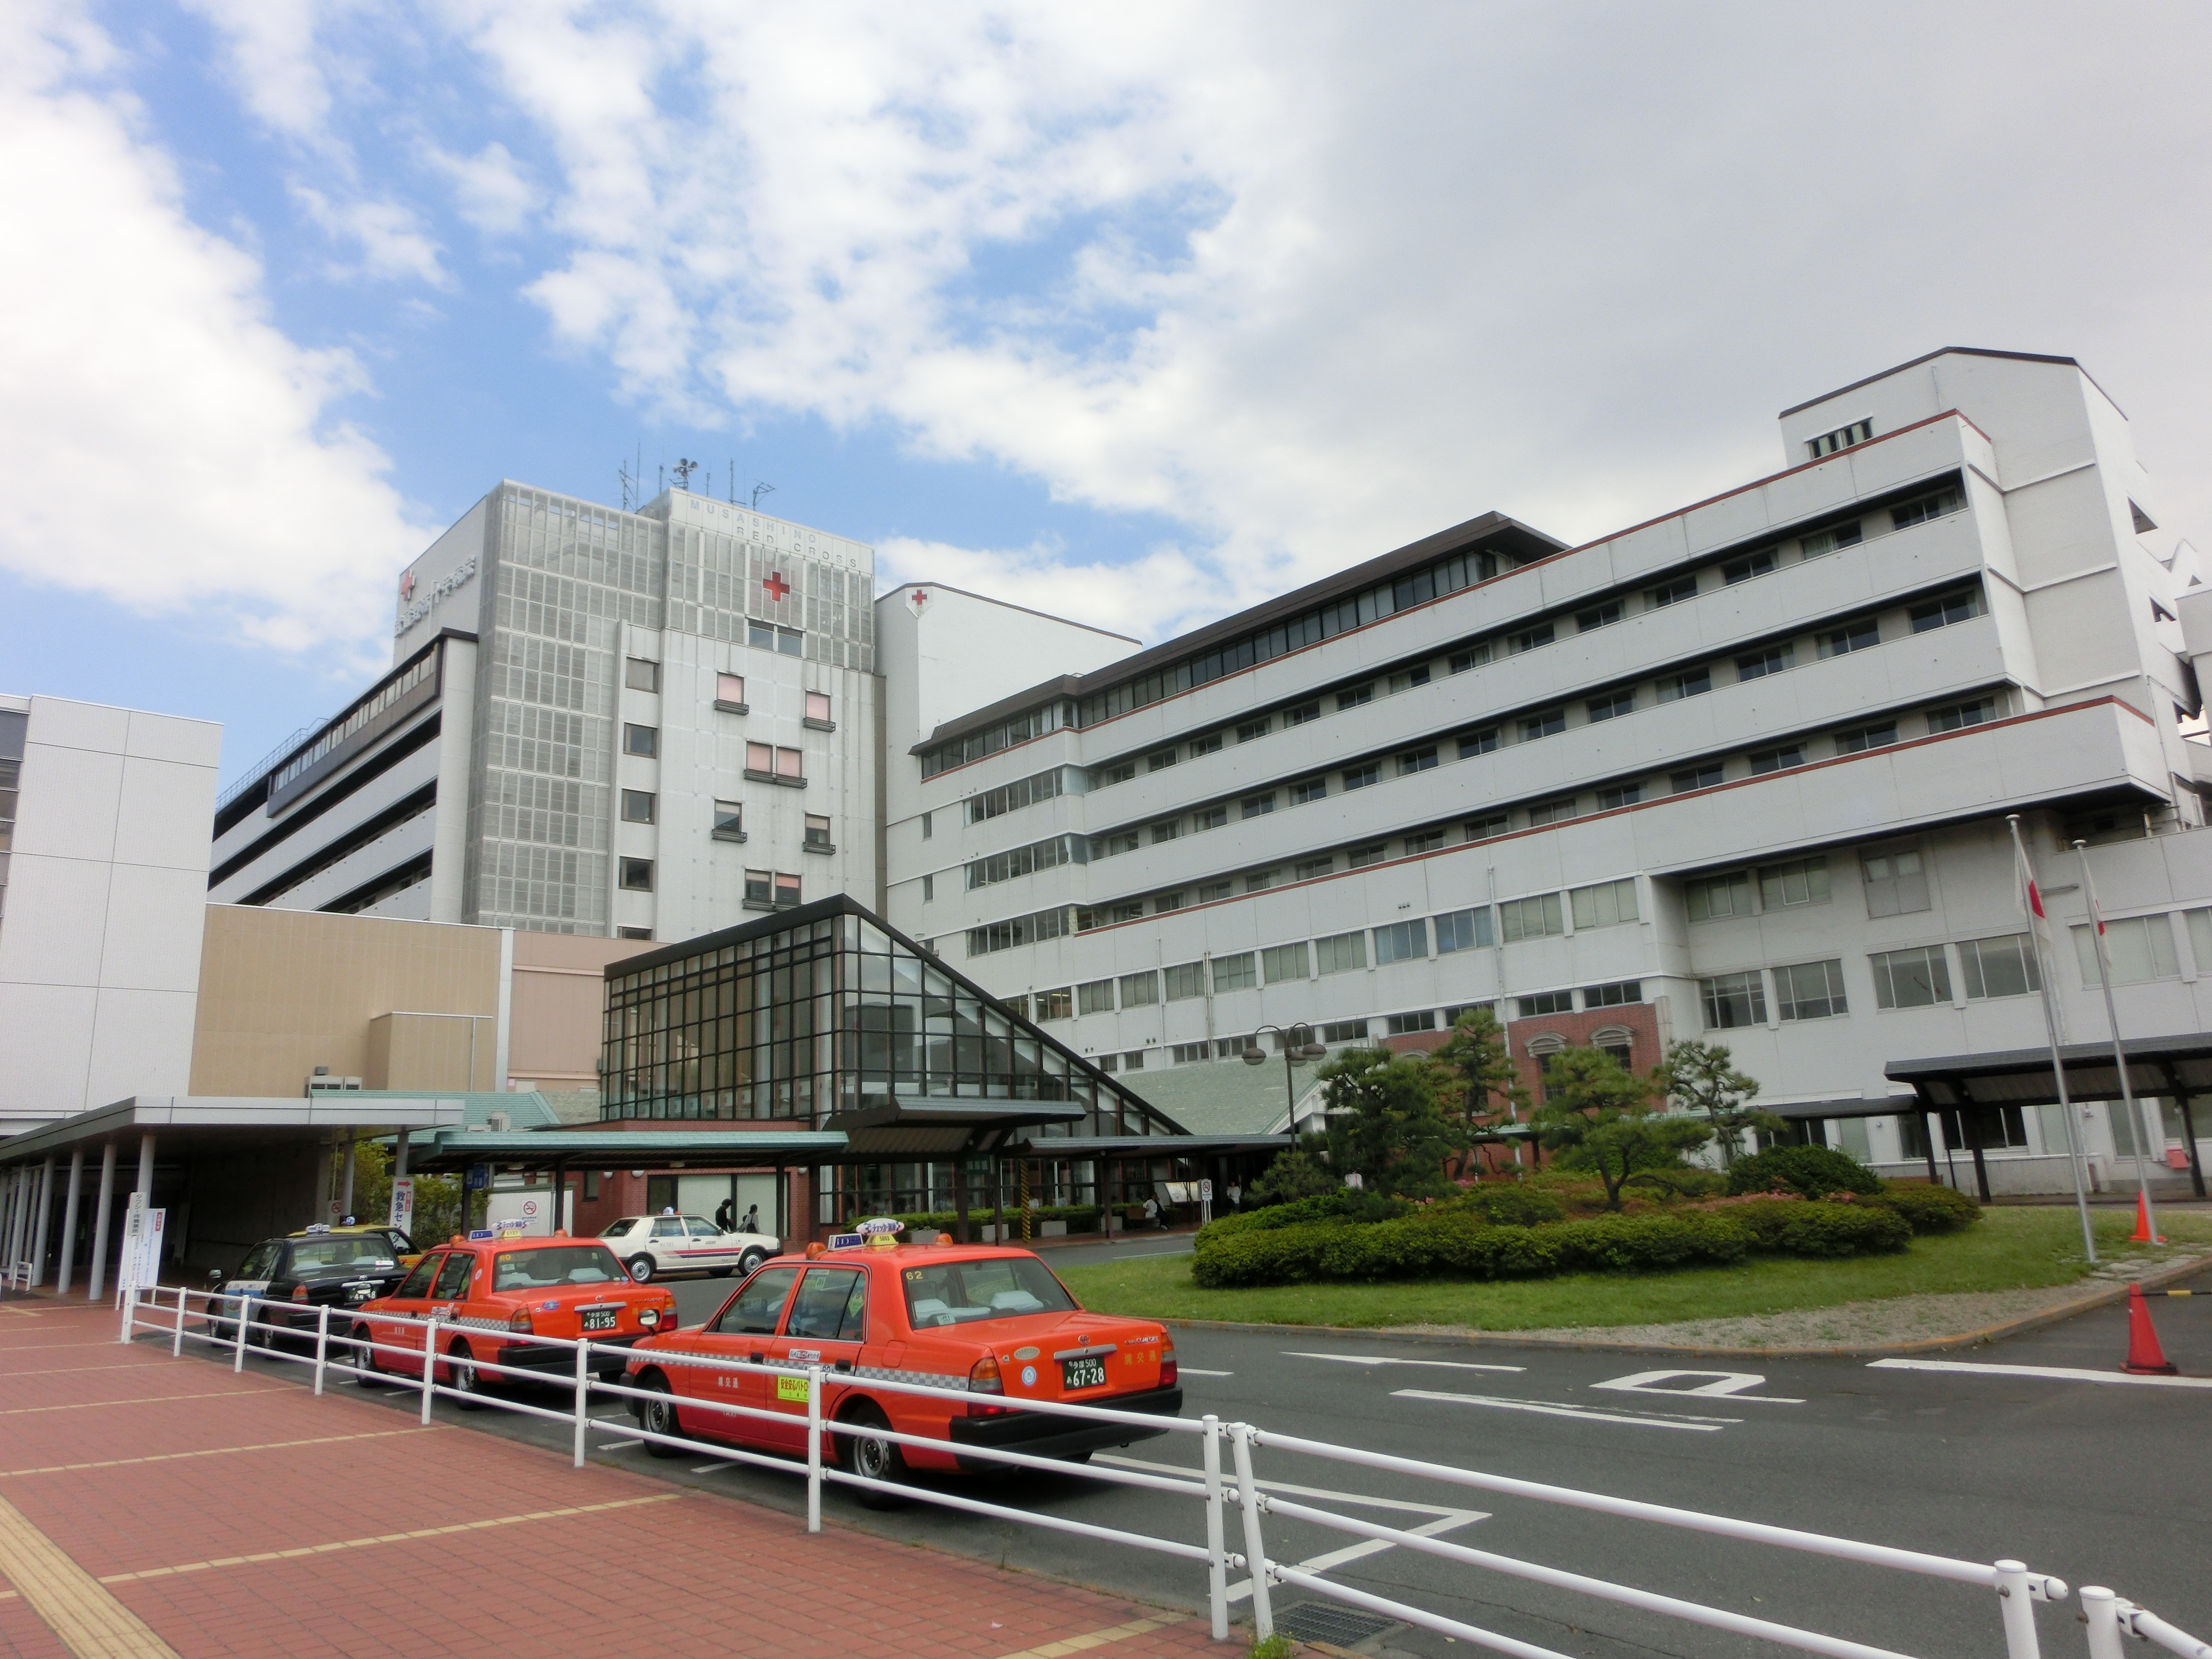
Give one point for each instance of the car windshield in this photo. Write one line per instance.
(343, 1250)
(991, 1287)
(562, 1264)
(616, 1229)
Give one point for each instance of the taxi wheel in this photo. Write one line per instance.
(750, 1260)
(470, 1384)
(658, 1415)
(870, 1456)
(367, 1374)
(641, 1269)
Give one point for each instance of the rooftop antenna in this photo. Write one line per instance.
(685, 468)
(663, 473)
(759, 490)
(733, 481)
(628, 485)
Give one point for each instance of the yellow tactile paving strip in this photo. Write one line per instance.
(216, 1452)
(1097, 1638)
(90, 1622)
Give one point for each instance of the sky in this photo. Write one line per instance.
(1139, 314)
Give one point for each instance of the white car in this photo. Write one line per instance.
(650, 1244)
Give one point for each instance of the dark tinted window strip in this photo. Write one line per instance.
(374, 766)
(390, 818)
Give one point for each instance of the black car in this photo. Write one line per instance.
(289, 1278)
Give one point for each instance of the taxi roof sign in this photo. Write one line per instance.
(476, 1233)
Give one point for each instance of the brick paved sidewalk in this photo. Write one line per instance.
(152, 1507)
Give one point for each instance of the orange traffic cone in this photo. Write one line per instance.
(2145, 1357)
(2141, 1234)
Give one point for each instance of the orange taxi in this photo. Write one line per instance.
(992, 1322)
(494, 1295)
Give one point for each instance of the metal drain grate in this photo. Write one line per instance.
(1323, 1621)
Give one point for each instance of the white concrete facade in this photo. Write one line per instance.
(102, 899)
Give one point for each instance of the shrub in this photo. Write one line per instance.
(1808, 1171)
(1514, 1205)
(1294, 1175)
(1688, 1182)
(1837, 1230)
(1930, 1209)
(1342, 1205)
(1642, 1243)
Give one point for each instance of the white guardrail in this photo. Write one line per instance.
(227, 1322)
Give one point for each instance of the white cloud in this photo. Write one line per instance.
(273, 60)
(162, 443)
(490, 188)
(390, 235)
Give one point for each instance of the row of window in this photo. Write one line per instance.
(1917, 977)
(642, 674)
(643, 806)
(768, 888)
(765, 762)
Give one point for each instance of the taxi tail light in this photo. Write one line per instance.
(1167, 1361)
(983, 1378)
(299, 1293)
(649, 1318)
(520, 1321)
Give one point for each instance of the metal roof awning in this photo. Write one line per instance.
(899, 1129)
(625, 1148)
(2177, 1065)
(1850, 1106)
(1153, 1146)
(182, 1125)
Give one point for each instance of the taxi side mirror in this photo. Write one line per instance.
(215, 1276)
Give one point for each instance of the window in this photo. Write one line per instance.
(1301, 714)
(1426, 840)
(1606, 904)
(760, 887)
(636, 807)
(1471, 744)
(1309, 868)
(929, 889)
(1598, 616)
(1943, 612)
(1209, 817)
(761, 635)
(1254, 806)
(1546, 723)
(729, 692)
(1759, 664)
(1259, 880)
(1616, 995)
(1140, 990)
(1674, 593)
(1917, 978)
(1356, 695)
(1017, 861)
(1552, 811)
(1545, 1002)
(1618, 794)
(1345, 1030)
(1119, 772)
(1417, 760)
(1401, 941)
(927, 827)
(1715, 897)
(2139, 947)
(1707, 776)
(1743, 569)
(1237, 973)
(1842, 438)
(1801, 881)
(639, 675)
(1308, 791)
(1960, 715)
(1927, 506)
(1462, 930)
(640, 740)
(1128, 910)
(1114, 845)
(1734, 1000)
(818, 834)
(1896, 882)
(787, 890)
(1851, 637)
(1361, 857)
(1828, 541)
(1359, 777)
(817, 711)
(1209, 744)
(1251, 729)
(1860, 738)
(1612, 703)
(1692, 683)
(1406, 680)
(1055, 1005)
(1286, 962)
(1810, 990)
(1488, 825)
(1473, 657)
(1533, 917)
(1161, 761)
(1186, 980)
(2200, 941)
(1166, 829)
(1209, 891)
(1189, 1053)
(729, 821)
(637, 875)
(1529, 639)
(2000, 966)
(1341, 953)
(1406, 1024)
(1764, 761)
(760, 760)
(790, 642)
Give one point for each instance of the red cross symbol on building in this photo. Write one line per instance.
(777, 587)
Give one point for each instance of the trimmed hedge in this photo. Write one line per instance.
(1510, 1204)
(1808, 1171)
(1079, 1218)
(1930, 1209)
(1790, 1226)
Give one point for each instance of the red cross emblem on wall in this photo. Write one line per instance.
(777, 587)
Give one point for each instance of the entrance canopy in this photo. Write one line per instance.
(190, 1124)
(452, 1149)
(1851, 1106)
(2177, 1065)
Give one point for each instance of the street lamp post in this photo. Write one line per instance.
(1299, 1047)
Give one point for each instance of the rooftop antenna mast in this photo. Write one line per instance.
(759, 490)
(685, 468)
(628, 485)
(733, 481)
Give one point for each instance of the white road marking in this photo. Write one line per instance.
(1729, 1385)
(2057, 1373)
(1393, 1359)
(1242, 1589)
(622, 1445)
(1193, 1370)
(1560, 1408)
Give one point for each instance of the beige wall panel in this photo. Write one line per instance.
(559, 996)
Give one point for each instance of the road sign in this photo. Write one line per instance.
(479, 1178)
(1206, 1191)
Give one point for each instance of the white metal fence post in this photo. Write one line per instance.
(1248, 1497)
(177, 1342)
(2019, 1609)
(814, 1449)
(129, 1309)
(2100, 1612)
(430, 1367)
(583, 1397)
(322, 1343)
(1217, 1566)
(245, 1311)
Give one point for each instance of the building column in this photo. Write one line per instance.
(68, 1221)
(98, 1279)
(345, 1197)
(43, 1219)
(10, 1209)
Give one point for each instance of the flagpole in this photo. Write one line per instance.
(2032, 902)
(2120, 1057)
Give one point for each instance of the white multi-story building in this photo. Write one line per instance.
(642, 724)
(1743, 769)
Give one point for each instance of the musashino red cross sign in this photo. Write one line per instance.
(777, 587)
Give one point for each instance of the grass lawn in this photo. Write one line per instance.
(2009, 1249)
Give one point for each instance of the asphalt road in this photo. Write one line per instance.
(2098, 1482)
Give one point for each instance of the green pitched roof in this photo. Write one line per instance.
(1222, 1097)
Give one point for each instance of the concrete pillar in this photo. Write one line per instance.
(98, 1278)
(399, 1152)
(41, 1222)
(345, 1196)
(146, 1170)
(68, 1221)
(12, 1214)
